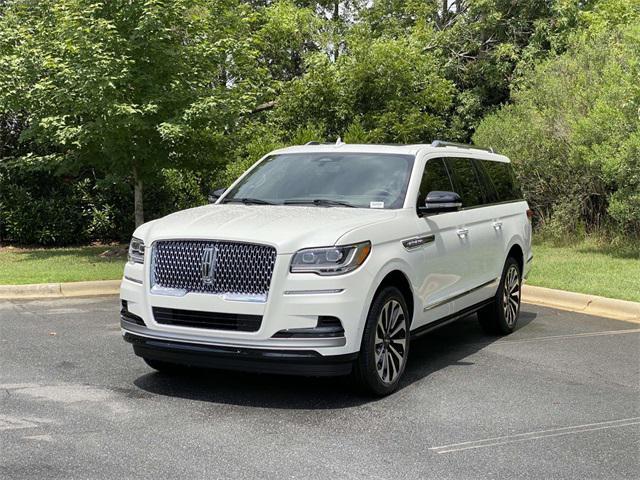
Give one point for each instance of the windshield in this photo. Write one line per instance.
(365, 180)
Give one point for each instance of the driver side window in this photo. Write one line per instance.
(435, 178)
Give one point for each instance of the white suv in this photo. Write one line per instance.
(327, 259)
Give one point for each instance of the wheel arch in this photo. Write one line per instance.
(517, 253)
(397, 278)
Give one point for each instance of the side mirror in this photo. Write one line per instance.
(441, 202)
(216, 194)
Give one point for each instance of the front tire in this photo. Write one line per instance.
(165, 367)
(502, 315)
(385, 344)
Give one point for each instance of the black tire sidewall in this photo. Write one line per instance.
(501, 320)
(366, 364)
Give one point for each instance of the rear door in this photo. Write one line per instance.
(504, 215)
(474, 230)
(494, 211)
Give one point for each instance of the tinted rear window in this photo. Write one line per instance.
(503, 179)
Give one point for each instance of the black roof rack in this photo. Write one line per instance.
(315, 142)
(441, 143)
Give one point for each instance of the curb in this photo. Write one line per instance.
(546, 297)
(582, 303)
(60, 290)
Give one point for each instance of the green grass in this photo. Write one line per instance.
(587, 267)
(51, 265)
(590, 267)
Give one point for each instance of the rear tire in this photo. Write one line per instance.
(501, 316)
(385, 344)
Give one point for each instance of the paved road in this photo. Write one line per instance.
(560, 398)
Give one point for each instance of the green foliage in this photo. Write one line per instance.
(573, 132)
(184, 95)
(386, 87)
(131, 87)
(40, 205)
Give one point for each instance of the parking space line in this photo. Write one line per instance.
(521, 437)
(570, 335)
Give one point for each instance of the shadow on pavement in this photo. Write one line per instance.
(447, 346)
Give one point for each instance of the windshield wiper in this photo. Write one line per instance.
(322, 202)
(248, 201)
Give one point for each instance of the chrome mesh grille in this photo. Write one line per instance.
(241, 268)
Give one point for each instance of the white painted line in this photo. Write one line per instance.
(570, 335)
(521, 437)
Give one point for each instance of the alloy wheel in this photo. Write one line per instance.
(391, 341)
(511, 295)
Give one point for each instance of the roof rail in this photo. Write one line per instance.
(441, 143)
(315, 142)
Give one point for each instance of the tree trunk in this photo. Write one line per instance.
(137, 198)
(336, 17)
(444, 15)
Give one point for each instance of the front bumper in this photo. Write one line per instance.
(295, 305)
(289, 362)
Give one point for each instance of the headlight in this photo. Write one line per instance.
(330, 260)
(136, 251)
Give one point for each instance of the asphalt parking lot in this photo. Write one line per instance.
(560, 398)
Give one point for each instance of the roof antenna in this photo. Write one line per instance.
(339, 141)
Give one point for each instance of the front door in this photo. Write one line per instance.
(445, 255)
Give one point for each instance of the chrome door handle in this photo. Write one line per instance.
(497, 225)
(462, 232)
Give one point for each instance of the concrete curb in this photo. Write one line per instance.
(547, 297)
(580, 302)
(58, 290)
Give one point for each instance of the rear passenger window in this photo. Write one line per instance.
(503, 180)
(434, 178)
(466, 182)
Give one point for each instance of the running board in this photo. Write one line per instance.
(418, 332)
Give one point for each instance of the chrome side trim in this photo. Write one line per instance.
(167, 292)
(134, 280)
(314, 292)
(229, 297)
(459, 295)
(279, 343)
(244, 297)
(416, 242)
(434, 205)
(530, 259)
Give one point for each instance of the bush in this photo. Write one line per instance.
(573, 133)
(40, 205)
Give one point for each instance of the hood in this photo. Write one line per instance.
(288, 228)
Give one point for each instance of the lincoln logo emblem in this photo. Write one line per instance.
(209, 263)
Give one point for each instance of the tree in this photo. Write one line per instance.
(129, 86)
(573, 132)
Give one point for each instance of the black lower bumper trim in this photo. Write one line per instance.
(287, 362)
